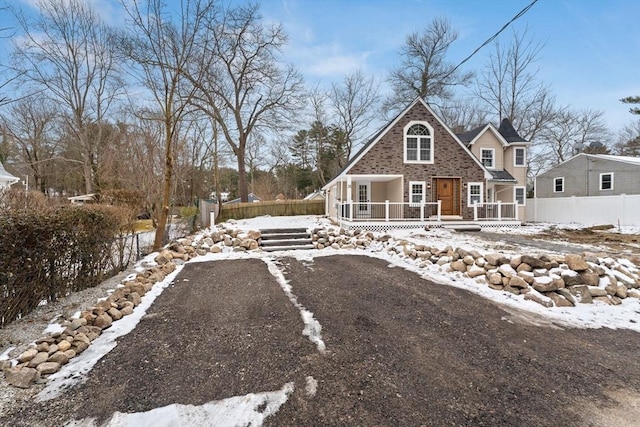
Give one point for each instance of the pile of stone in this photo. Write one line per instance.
(561, 281)
(550, 281)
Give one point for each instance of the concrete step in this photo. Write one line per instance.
(282, 230)
(462, 227)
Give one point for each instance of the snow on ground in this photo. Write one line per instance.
(245, 410)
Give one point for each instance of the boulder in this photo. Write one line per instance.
(38, 359)
(507, 271)
(597, 292)
(475, 271)
(534, 262)
(48, 367)
(559, 300)
(540, 299)
(567, 295)
(518, 282)
(547, 283)
(21, 377)
(459, 265)
(64, 345)
(589, 278)
(495, 279)
(28, 355)
(103, 321)
(576, 262)
(59, 357)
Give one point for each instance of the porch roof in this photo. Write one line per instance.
(501, 175)
(370, 178)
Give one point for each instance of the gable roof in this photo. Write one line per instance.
(360, 154)
(506, 134)
(6, 176)
(620, 159)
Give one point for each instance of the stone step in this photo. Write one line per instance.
(282, 230)
(277, 236)
(286, 242)
(286, 248)
(462, 227)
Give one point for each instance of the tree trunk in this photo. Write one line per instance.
(166, 192)
(242, 178)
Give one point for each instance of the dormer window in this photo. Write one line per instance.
(418, 143)
(487, 157)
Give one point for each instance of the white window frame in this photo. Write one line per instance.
(524, 157)
(493, 157)
(601, 182)
(524, 195)
(561, 178)
(429, 138)
(470, 185)
(423, 185)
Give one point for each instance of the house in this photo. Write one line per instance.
(586, 175)
(83, 199)
(316, 195)
(589, 189)
(251, 198)
(6, 179)
(417, 172)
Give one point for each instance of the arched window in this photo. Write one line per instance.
(418, 143)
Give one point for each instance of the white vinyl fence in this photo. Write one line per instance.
(586, 210)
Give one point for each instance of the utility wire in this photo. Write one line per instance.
(493, 37)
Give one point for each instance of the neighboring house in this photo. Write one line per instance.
(252, 198)
(6, 179)
(590, 175)
(416, 171)
(316, 195)
(83, 199)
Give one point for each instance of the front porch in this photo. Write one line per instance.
(388, 215)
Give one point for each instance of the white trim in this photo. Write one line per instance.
(600, 181)
(423, 184)
(419, 138)
(524, 195)
(481, 193)
(561, 178)
(493, 157)
(524, 157)
(495, 132)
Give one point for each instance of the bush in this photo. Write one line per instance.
(47, 253)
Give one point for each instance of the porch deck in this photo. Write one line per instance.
(389, 215)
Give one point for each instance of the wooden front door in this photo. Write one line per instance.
(447, 191)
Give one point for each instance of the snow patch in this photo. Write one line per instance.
(248, 410)
(312, 327)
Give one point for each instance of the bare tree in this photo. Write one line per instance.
(30, 125)
(354, 103)
(162, 48)
(568, 133)
(462, 115)
(510, 88)
(243, 85)
(66, 53)
(424, 70)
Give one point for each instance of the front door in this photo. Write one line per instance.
(363, 198)
(447, 191)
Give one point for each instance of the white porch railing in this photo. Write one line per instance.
(389, 211)
(496, 211)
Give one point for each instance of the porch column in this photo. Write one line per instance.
(386, 210)
(439, 209)
(475, 210)
(499, 210)
(349, 198)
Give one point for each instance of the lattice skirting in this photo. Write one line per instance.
(377, 227)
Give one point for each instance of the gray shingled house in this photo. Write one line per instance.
(590, 175)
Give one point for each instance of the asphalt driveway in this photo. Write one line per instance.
(399, 351)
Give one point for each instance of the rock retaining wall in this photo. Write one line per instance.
(548, 280)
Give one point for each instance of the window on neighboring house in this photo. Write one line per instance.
(418, 144)
(558, 185)
(416, 192)
(487, 156)
(606, 181)
(519, 195)
(519, 157)
(474, 193)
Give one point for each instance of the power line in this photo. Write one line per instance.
(493, 37)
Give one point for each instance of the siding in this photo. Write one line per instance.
(582, 178)
(450, 158)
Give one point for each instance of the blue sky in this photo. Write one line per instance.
(590, 58)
